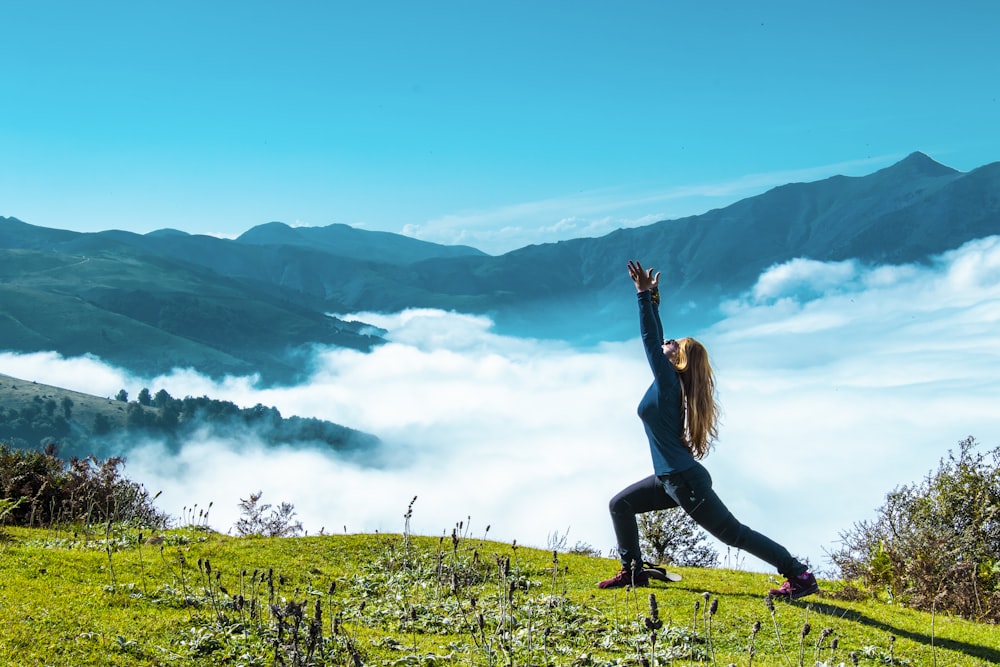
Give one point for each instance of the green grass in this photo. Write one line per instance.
(194, 597)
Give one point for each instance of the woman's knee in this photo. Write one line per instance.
(619, 505)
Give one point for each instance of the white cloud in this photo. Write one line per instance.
(830, 401)
(803, 275)
(87, 373)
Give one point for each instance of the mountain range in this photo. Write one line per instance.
(258, 303)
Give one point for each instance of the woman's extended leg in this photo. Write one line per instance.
(692, 489)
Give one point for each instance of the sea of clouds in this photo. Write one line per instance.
(838, 381)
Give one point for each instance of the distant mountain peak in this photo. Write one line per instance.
(917, 163)
(167, 231)
(268, 233)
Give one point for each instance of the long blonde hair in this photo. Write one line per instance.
(701, 415)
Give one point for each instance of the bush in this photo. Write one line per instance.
(935, 545)
(41, 490)
(257, 518)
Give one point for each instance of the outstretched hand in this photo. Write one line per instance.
(644, 279)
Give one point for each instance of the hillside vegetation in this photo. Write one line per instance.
(119, 596)
(39, 416)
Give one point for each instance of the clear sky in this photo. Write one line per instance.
(496, 124)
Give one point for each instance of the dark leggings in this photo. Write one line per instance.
(691, 489)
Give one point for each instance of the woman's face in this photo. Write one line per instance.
(670, 348)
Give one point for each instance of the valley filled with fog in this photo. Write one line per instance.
(838, 382)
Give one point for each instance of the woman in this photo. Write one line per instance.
(680, 416)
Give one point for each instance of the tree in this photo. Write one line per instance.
(136, 418)
(145, 399)
(935, 545)
(169, 418)
(162, 399)
(122, 396)
(672, 537)
(102, 425)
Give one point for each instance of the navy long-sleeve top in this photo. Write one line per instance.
(662, 407)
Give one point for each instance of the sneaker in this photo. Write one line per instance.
(796, 587)
(659, 572)
(626, 577)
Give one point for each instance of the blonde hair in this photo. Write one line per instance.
(701, 414)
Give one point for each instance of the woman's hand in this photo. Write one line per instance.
(644, 279)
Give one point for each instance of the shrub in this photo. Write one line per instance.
(935, 545)
(258, 518)
(46, 490)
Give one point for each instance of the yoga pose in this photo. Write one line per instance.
(680, 416)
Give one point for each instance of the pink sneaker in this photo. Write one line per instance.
(626, 577)
(796, 587)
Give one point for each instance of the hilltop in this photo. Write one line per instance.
(34, 415)
(23, 396)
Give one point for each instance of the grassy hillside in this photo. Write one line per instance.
(18, 394)
(33, 415)
(192, 597)
(79, 439)
(151, 314)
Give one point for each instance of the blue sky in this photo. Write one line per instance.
(492, 124)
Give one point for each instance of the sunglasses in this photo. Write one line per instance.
(669, 341)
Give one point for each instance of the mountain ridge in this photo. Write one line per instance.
(570, 289)
(344, 240)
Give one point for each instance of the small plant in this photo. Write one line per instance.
(262, 519)
(406, 521)
(826, 632)
(806, 628)
(769, 602)
(754, 629)
(7, 506)
(713, 607)
(195, 517)
(556, 541)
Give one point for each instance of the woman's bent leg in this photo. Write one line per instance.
(644, 496)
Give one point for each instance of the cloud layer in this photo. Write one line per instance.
(839, 382)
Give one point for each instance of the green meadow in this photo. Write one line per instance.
(109, 595)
